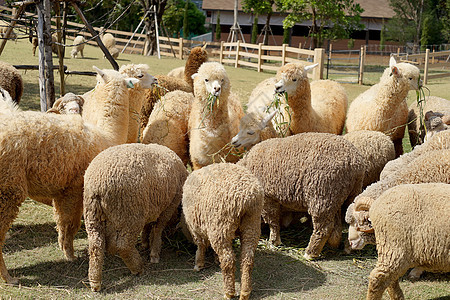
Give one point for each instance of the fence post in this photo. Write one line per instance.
(318, 58)
(236, 64)
(181, 49)
(299, 47)
(425, 68)
(259, 56)
(221, 52)
(432, 59)
(283, 55)
(361, 65)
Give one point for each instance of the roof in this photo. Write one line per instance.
(372, 8)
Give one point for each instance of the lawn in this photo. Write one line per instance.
(32, 253)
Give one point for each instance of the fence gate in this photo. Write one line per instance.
(343, 65)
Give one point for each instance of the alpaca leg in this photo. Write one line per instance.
(398, 145)
(97, 241)
(155, 235)
(250, 232)
(146, 235)
(10, 201)
(68, 212)
(386, 275)
(129, 254)
(322, 229)
(271, 215)
(224, 250)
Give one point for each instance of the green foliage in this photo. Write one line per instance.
(174, 17)
(255, 30)
(332, 19)
(286, 36)
(445, 8)
(383, 36)
(218, 29)
(431, 31)
(185, 20)
(408, 17)
(351, 44)
(400, 30)
(258, 7)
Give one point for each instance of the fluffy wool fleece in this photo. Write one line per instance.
(219, 200)
(319, 107)
(211, 131)
(431, 103)
(196, 58)
(127, 187)
(168, 123)
(411, 225)
(312, 172)
(11, 80)
(383, 106)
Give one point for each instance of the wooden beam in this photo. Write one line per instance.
(61, 49)
(96, 36)
(11, 26)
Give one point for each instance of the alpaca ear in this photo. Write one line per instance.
(392, 62)
(204, 46)
(310, 67)
(268, 118)
(395, 71)
(99, 72)
(194, 75)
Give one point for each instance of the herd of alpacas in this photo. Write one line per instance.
(118, 156)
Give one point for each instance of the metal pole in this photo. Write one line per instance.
(157, 34)
(137, 28)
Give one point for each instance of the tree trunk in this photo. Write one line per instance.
(150, 47)
(266, 27)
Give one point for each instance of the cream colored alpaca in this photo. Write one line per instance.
(212, 128)
(383, 107)
(44, 156)
(318, 107)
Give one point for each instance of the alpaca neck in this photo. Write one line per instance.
(300, 105)
(111, 101)
(219, 114)
(136, 98)
(390, 94)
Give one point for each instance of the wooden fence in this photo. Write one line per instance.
(438, 60)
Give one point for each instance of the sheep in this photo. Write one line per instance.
(69, 104)
(78, 46)
(430, 167)
(177, 72)
(440, 140)
(309, 172)
(167, 83)
(127, 187)
(11, 81)
(411, 225)
(136, 96)
(377, 149)
(383, 107)
(168, 123)
(44, 156)
(108, 40)
(416, 131)
(219, 202)
(213, 119)
(319, 107)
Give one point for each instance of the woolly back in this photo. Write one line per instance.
(196, 58)
(108, 106)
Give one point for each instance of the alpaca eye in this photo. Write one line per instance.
(206, 80)
(410, 78)
(140, 76)
(250, 132)
(294, 80)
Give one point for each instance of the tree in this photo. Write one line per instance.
(185, 20)
(255, 31)
(218, 29)
(260, 7)
(331, 19)
(445, 8)
(409, 16)
(176, 17)
(382, 36)
(159, 7)
(286, 35)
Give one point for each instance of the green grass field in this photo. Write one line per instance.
(31, 252)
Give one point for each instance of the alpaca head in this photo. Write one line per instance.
(406, 73)
(146, 81)
(289, 76)
(250, 128)
(108, 76)
(69, 104)
(211, 79)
